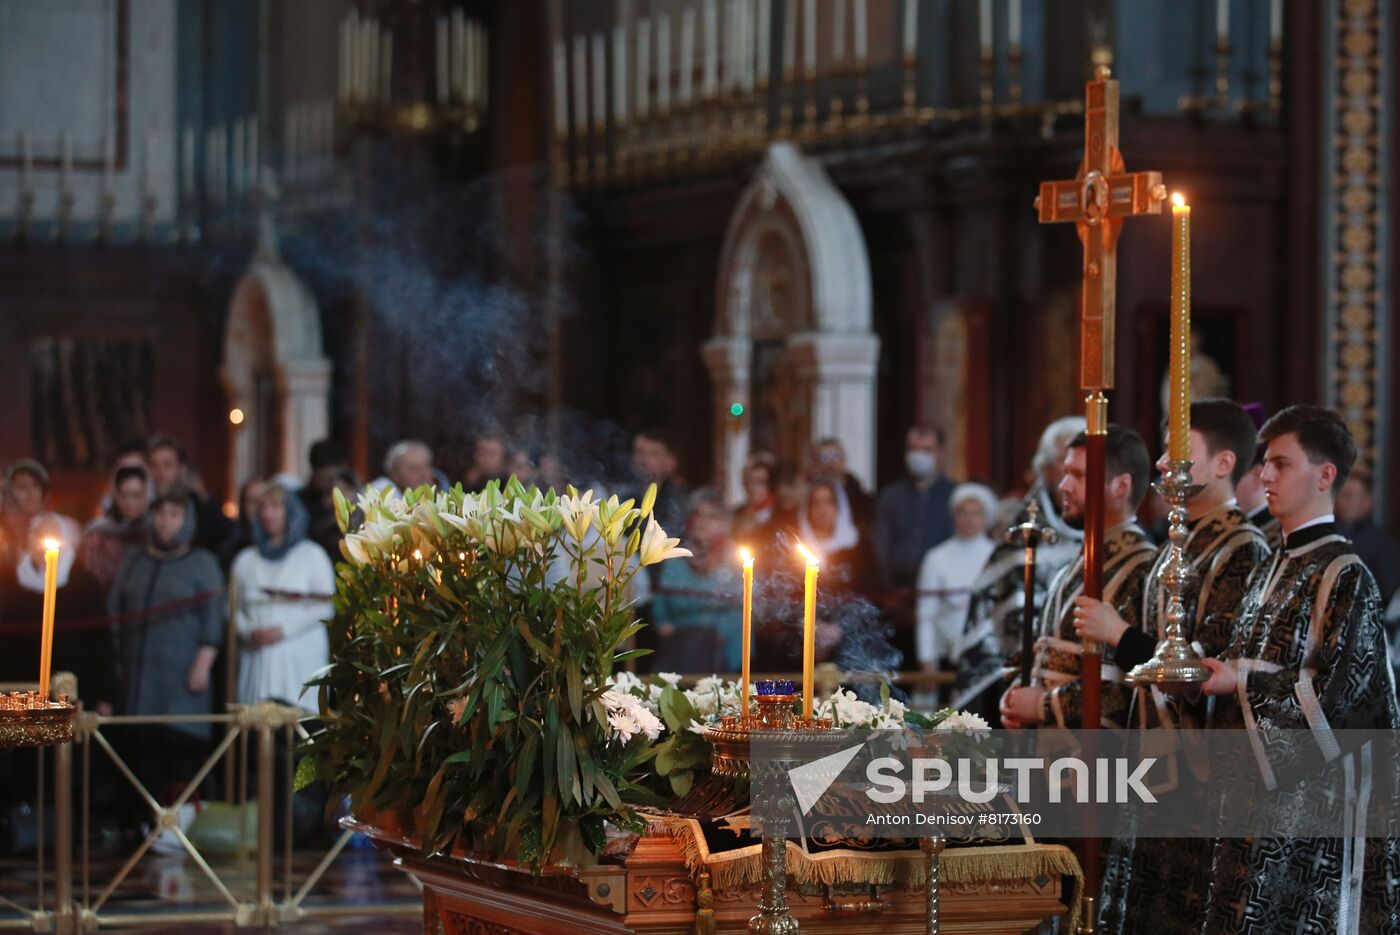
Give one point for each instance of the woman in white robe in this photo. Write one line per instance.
(947, 574)
(284, 584)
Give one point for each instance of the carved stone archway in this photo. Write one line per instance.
(793, 341)
(274, 368)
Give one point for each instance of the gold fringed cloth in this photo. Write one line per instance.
(905, 869)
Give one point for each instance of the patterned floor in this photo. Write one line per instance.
(174, 884)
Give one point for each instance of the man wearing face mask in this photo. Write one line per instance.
(911, 514)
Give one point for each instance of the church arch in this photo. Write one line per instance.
(793, 340)
(274, 368)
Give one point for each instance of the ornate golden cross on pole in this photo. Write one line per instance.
(1097, 200)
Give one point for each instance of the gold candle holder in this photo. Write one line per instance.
(27, 719)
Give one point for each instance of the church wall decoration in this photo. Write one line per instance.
(1355, 232)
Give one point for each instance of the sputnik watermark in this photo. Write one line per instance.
(1118, 781)
(992, 784)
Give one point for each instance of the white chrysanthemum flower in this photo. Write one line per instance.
(709, 684)
(670, 678)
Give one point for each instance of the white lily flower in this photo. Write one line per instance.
(579, 513)
(356, 549)
(657, 547)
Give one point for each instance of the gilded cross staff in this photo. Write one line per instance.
(1097, 200)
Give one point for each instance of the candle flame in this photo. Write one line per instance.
(746, 557)
(51, 545)
(1179, 199)
(417, 555)
(811, 559)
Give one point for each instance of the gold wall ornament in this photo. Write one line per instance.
(1356, 294)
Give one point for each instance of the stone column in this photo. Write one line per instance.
(728, 359)
(839, 371)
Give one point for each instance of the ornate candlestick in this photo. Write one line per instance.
(786, 738)
(1175, 664)
(932, 847)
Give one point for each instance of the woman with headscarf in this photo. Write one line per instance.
(26, 495)
(168, 604)
(850, 629)
(826, 526)
(948, 572)
(284, 584)
(121, 526)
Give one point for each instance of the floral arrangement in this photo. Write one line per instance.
(476, 691)
(474, 639)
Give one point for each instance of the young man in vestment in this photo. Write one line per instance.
(1308, 653)
(1157, 886)
(1056, 695)
(992, 629)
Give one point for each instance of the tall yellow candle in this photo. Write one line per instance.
(1179, 422)
(809, 632)
(747, 556)
(50, 599)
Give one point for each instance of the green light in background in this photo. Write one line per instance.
(737, 409)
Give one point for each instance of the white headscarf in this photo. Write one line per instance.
(31, 576)
(979, 492)
(844, 534)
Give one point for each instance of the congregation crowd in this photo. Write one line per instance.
(163, 585)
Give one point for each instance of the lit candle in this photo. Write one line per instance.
(50, 599)
(684, 92)
(911, 29)
(984, 26)
(809, 631)
(747, 557)
(1222, 20)
(1179, 426)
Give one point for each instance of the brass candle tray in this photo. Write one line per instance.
(773, 718)
(28, 721)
